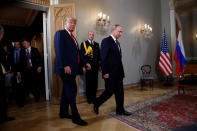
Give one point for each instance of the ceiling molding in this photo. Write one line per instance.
(40, 2)
(31, 5)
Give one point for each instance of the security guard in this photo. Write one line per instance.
(90, 53)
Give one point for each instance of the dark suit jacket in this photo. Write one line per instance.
(111, 60)
(21, 63)
(66, 53)
(36, 59)
(95, 61)
(6, 60)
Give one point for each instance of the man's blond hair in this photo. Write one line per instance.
(70, 18)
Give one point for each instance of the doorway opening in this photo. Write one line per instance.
(20, 23)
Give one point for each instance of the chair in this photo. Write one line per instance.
(146, 78)
(188, 79)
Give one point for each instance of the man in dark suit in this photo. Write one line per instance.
(18, 64)
(90, 53)
(67, 66)
(33, 66)
(112, 71)
(3, 97)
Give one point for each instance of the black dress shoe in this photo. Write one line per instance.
(125, 113)
(90, 102)
(10, 119)
(7, 119)
(66, 116)
(80, 122)
(96, 110)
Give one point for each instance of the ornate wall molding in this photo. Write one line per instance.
(40, 2)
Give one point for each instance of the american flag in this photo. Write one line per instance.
(164, 60)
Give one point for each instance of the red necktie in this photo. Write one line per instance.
(73, 38)
(75, 45)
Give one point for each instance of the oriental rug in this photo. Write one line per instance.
(168, 111)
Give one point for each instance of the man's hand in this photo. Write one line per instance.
(39, 69)
(67, 70)
(99, 69)
(84, 70)
(88, 66)
(19, 75)
(106, 76)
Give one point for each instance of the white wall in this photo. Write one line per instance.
(131, 14)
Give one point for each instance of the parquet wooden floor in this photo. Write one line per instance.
(43, 116)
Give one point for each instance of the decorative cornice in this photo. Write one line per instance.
(40, 2)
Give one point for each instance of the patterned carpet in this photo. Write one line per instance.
(165, 112)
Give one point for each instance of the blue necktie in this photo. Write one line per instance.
(17, 57)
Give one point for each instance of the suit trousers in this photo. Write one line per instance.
(69, 93)
(31, 83)
(3, 97)
(112, 87)
(20, 91)
(91, 84)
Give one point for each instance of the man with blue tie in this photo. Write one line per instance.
(112, 71)
(18, 56)
(67, 67)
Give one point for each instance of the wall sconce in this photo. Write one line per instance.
(146, 30)
(102, 19)
(196, 36)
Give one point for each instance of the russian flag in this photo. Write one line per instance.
(179, 56)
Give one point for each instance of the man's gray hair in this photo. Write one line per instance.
(1, 29)
(90, 31)
(70, 18)
(114, 27)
